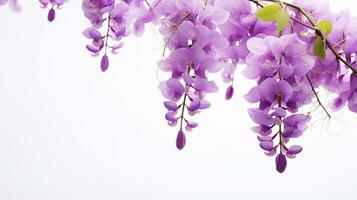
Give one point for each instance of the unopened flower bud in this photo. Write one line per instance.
(51, 15)
(280, 162)
(229, 92)
(180, 140)
(104, 64)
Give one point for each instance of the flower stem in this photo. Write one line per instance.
(280, 132)
(182, 117)
(317, 97)
(107, 35)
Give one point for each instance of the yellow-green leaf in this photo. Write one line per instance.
(268, 13)
(325, 27)
(282, 19)
(319, 48)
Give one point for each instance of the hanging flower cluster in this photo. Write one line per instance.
(289, 48)
(196, 49)
(119, 19)
(280, 66)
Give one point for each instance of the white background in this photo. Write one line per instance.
(70, 132)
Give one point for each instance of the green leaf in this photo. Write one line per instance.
(282, 19)
(325, 27)
(319, 48)
(268, 13)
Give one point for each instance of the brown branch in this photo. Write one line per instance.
(338, 56)
(147, 3)
(257, 3)
(302, 23)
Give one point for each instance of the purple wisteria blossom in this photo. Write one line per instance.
(112, 21)
(291, 50)
(190, 32)
(280, 66)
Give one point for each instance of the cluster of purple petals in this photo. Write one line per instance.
(330, 73)
(241, 25)
(287, 73)
(111, 21)
(280, 66)
(52, 4)
(13, 4)
(191, 32)
(214, 36)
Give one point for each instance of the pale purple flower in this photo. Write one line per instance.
(273, 90)
(172, 89)
(295, 149)
(261, 117)
(267, 145)
(171, 106)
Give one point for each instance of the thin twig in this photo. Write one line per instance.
(302, 23)
(257, 3)
(157, 3)
(170, 37)
(182, 116)
(338, 56)
(317, 97)
(107, 35)
(147, 3)
(173, 32)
